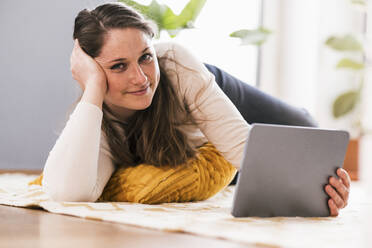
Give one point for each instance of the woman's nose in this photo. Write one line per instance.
(137, 75)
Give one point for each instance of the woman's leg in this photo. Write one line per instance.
(257, 106)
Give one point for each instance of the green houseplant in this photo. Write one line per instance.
(353, 59)
(349, 45)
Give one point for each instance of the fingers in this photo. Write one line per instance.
(333, 209)
(76, 44)
(76, 63)
(338, 189)
(344, 177)
(77, 49)
(341, 189)
(73, 54)
(337, 199)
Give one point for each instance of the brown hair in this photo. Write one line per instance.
(151, 135)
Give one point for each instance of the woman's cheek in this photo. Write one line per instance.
(111, 89)
(112, 84)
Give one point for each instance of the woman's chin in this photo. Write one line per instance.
(141, 106)
(145, 106)
(129, 105)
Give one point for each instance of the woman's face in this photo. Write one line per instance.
(132, 71)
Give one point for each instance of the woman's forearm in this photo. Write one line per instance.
(70, 172)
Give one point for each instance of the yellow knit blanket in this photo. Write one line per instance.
(196, 180)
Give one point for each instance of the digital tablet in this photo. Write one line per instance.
(284, 171)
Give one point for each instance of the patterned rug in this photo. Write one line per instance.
(209, 218)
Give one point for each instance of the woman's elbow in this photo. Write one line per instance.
(64, 193)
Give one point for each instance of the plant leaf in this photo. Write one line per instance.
(175, 23)
(345, 103)
(344, 43)
(350, 64)
(165, 17)
(172, 23)
(252, 36)
(156, 12)
(192, 10)
(153, 11)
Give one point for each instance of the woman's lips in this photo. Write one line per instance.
(140, 92)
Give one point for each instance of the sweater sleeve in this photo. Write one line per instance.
(79, 165)
(217, 117)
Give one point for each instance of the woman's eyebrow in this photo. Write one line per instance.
(123, 59)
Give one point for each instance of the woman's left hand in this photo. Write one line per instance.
(338, 189)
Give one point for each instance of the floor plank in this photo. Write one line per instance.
(21, 227)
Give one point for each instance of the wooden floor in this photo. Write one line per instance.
(21, 227)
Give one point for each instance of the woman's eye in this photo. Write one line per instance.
(146, 58)
(120, 66)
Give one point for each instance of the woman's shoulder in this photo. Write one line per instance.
(188, 74)
(169, 48)
(175, 53)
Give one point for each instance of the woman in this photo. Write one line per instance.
(155, 104)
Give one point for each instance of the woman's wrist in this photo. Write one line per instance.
(93, 94)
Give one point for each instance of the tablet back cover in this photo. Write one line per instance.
(285, 169)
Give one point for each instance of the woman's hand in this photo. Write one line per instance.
(87, 72)
(338, 189)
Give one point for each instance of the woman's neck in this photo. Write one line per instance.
(120, 113)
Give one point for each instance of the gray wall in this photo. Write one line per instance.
(36, 87)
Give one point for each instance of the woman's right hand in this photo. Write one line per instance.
(87, 72)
